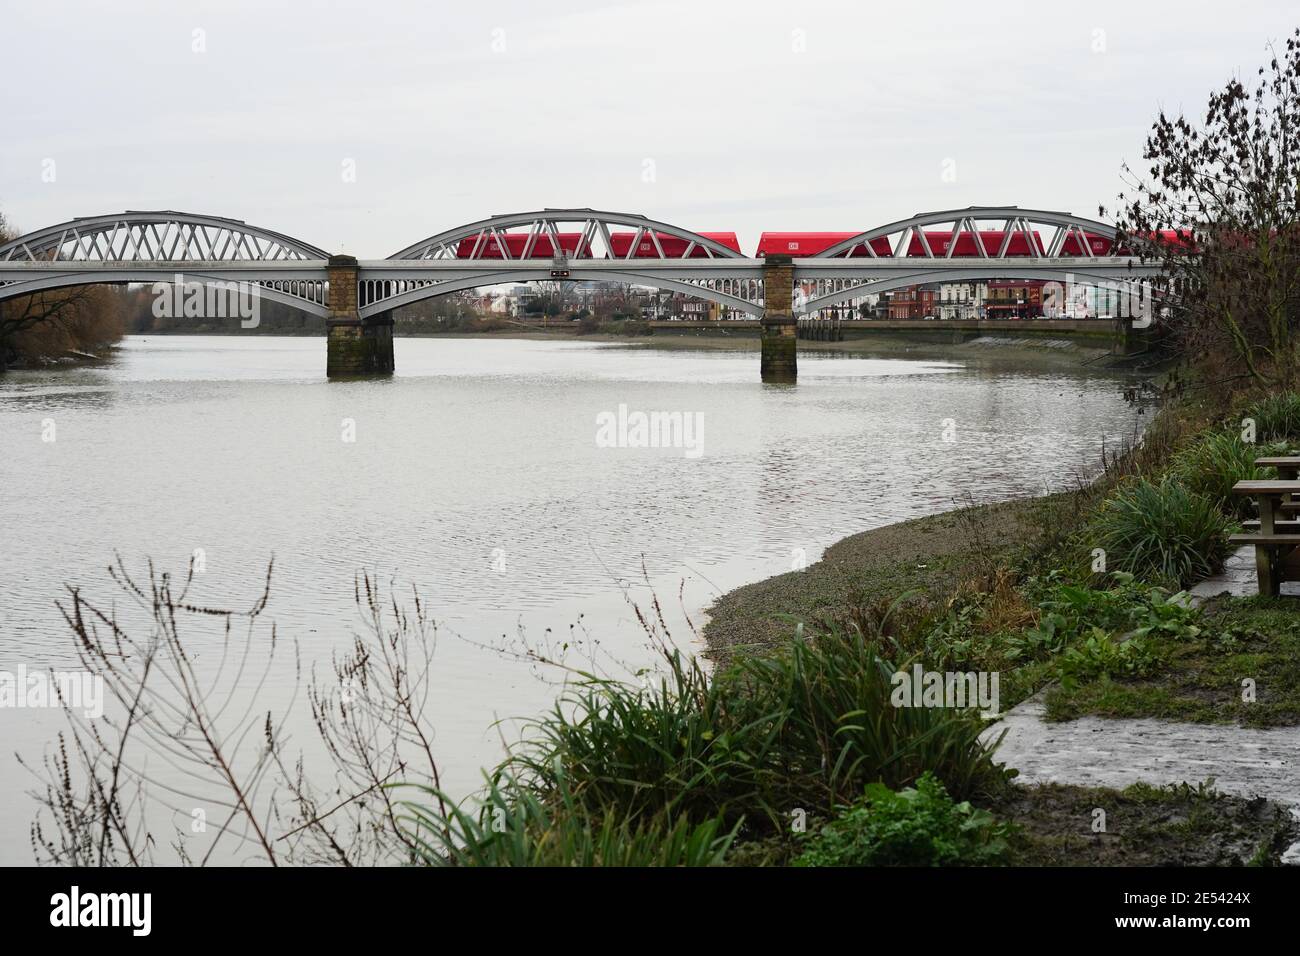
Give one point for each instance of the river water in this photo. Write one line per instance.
(479, 474)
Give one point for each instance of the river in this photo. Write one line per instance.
(479, 475)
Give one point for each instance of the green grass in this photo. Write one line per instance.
(515, 826)
(1159, 531)
(620, 774)
(1211, 466)
(1201, 680)
(834, 695)
(807, 726)
(1276, 417)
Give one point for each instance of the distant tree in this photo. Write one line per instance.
(1227, 191)
(49, 324)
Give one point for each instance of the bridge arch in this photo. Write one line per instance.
(932, 277)
(157, 246)
(543, 233)
(379, 294)
(1014, 227)
(157, 236)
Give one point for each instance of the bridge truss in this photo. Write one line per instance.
(564, 245)
(967, 245)
(158, 246)
(973, 244)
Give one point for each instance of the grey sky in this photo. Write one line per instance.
(710, 115)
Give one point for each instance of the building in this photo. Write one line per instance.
(962, 300)
(914, 302)
(695, 310)
(1014, 299)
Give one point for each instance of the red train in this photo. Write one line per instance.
(806, 244)
(672, 246)
(800, 245)
(489, 247)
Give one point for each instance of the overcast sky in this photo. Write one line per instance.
(710, 115)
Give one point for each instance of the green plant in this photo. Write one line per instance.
(1071, 611)
(1276, 417)
(1170, 615)
(1217, 462)
(919, 826)
(1099, 655)
(809, 725)
(838, 725)
(516, 826)
(679, 747)
(1161, 532)
(1044, 639)
(954, 637)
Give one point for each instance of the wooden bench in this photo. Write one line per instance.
(1288, 466)
(1288, 469)
(1276, 542)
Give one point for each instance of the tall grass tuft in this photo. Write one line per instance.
(1162, 533)
(1277, 417)
(517, 826)
(833, 693)
(682, 746)
(1217, 462)
(808, 726)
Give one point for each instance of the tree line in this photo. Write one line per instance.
(58, 325)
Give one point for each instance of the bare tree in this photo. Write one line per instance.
(1220, 209)
(192, 742)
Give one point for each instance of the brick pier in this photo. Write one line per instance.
(778, 362)
(354, 346)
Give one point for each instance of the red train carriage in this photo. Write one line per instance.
(1162, 237)
(939, 240)
(673, 247)
(1097, 245)
(807, 244)
(489, 246)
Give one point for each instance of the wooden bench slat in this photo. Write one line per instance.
(1265, 539)
(1284, 461)
(1266, 487)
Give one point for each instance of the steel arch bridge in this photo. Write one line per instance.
(583, 244)
(962, 245)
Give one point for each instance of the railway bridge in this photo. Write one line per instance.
(357, 297)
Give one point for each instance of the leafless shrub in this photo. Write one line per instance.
(191, 740)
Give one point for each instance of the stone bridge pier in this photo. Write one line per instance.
(780, 329)
(354, 346)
